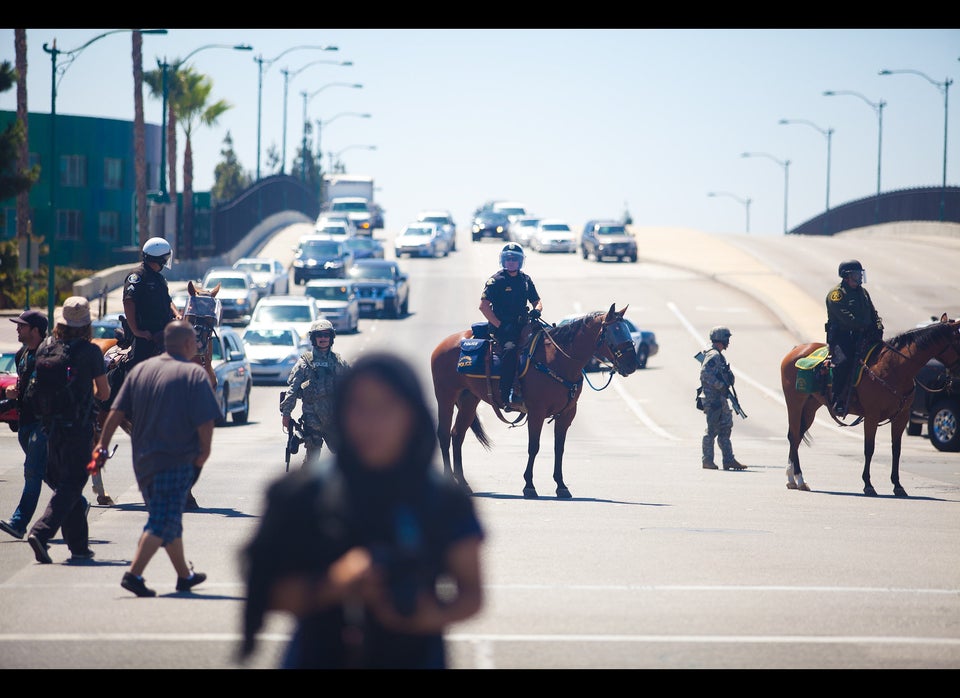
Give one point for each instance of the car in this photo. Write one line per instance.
(357, 208)
(8, 378)
(512, 209)
(338, 230)
(237, 295)
(553, 235)
(645, 342)
(383, 288)
(364, 247)
(420, 240)
(268, 273)
(443, 219)
(521, 228)
(603, 239)
(936, 405)
(179, 299)
(321, 257)
(337, 301)
(299, 311)
(106, 326)
(489, 224)
(327, 218)
(273, 351)
(234, 375)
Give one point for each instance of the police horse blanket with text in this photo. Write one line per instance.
(882, 391)
(550, 373)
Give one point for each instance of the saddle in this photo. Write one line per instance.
(475, 351)
(815, 371)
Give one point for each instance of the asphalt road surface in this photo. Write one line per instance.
(654, 563)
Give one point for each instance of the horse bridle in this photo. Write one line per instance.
(618, 348)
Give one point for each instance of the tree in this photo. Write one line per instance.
(154, 80)
(24, 214)
(192, 109)
(139, 146)
(14, 179)
(272, 161)
(229, 179)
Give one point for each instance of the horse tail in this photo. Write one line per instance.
(476, 426)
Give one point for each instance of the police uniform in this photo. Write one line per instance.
(313, 381)
(715, 377)
(508, 296)
(852, 322)
(149, 291)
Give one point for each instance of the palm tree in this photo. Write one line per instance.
(139, 147)
(24, 228)
(192, 109)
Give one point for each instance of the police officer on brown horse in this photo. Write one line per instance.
(852, 325)
(504, 303)
(146, 301)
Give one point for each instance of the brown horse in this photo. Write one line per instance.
(551, 387)
(884, 393)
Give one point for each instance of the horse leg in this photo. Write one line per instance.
(444, 420)
(534, 427)
(896, 435)
(466, 413)
(869, 443)
(560, 428)
(801, 417)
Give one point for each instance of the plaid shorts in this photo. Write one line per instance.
(165, 497)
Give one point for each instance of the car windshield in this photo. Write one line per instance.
(349, 206)
(376, 273)
(275, 338)
(361, 243)
(418, 232)
(283, 313)
(320, 248)
(233, 282)
(103, 330)
(254, 267)
(332, 230)
(328, 293)
(439, 220)
(612, 230)
(556, 227)
(7, 363)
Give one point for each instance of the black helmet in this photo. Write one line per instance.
(720, 334)
(511, 251)
(851, 265)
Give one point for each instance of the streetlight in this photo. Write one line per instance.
(746, 202)
(878, 108)
(321, 124)
(286, 79)
(164, 88)
(336, 156)
(54, 170)
(828, 132)
(306, 99)
(260, 61)
(785, 164)
(945, 86)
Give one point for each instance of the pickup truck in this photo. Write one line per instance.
(382, 287)
(357, 209)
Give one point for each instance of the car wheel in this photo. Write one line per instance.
(943, 425)
(642, 355)
(224, 411)
(396, 309)
(243, 415)
(633, 258)
(914, 428)
(405, 307)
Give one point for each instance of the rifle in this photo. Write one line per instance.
(294, 435)
(731, 391)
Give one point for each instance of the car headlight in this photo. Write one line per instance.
(242, 301)
(298, 263)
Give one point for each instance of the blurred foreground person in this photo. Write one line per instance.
(372, 549)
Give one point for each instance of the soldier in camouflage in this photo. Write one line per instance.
(716, 379)
(312, 381)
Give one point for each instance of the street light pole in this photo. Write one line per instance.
(321, 124)
(306, 99)
(785, 164)
(54, 170)
(746, 202)
(828, 132)
(260, 61)
(878, 108)
(287, 76)
(349, 147)
(945, 86)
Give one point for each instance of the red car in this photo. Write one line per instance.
(8, 376)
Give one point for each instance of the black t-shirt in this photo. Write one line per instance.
(509, 295)
(25, 360)
(148, 290)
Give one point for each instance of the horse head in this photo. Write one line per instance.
(949, 356)
(615, 344)
(203, 311)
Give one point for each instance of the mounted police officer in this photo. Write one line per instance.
(503, 302)
(146, 301)
(716, 380)
(852, 325)
(313, 381)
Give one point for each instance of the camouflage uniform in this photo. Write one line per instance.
(313, 381)
(715, 376)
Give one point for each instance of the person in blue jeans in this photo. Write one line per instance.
(31, 330)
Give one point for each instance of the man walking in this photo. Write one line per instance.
(716, 380)
(172, 407)
(31, 330)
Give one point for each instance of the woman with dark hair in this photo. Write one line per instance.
(372, 549)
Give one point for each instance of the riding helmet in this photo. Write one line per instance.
(511, 252)
(720, 334)
(157, 250)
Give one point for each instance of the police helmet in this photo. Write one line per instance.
(851, 265)
(322, 325)
(511, 252)
(157, 250)
(720, 334)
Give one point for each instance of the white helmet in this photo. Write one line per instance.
(157, 250)
(322, 325)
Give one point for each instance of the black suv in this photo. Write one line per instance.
(936, 403)
(488, 223)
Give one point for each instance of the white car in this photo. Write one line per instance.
(338, 302)
(267, 273)
(238, 293)
(299, 311)
(444, 219)
(521, 229)
(273, 351)
(553, 235)
(420, 240)
(326, 218)
(338, 230)
(511, 209)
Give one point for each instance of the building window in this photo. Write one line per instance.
(112, 173)
(109, 226)
(73, 170)
(69, 225)
(8, 223)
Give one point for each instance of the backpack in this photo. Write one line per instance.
(50, 390)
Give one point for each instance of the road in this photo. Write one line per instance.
(654, 562)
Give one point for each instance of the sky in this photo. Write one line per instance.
(575, 123)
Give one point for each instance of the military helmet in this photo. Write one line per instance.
(720, 334)
(322, 325)
(157, 250)
(511, 252)
(851, 265)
